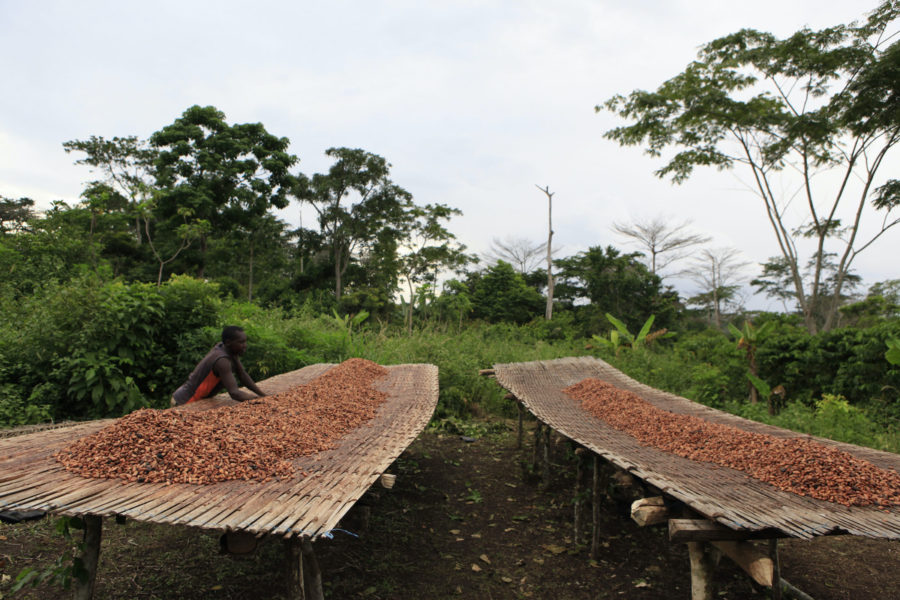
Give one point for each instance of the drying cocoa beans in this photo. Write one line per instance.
(798, 465)
(254, 440)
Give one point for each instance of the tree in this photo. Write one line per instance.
(775, 282)
(660, 237)
(356, 203)
(603, 280)
(523, 254)
(126, 165)
(718, 273)
(226, 175)
(816, 101)
(501, 294)
(14, 214)
(548, 311)
(431, 248)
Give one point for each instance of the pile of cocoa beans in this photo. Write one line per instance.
(799, 465)
(254, 440)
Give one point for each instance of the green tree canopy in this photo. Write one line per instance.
(359, 207)
(226, 175)
(603, 280)
(501, 294)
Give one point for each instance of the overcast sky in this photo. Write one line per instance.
(473, 102)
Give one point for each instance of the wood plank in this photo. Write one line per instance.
(704, 530)
(756, 564)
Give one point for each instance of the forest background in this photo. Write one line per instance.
(107, 301)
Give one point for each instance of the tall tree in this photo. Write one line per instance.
(816, 101)
(501, 294)
(603, 280)
(14, 214)
(523, 254)
(548, 309)
(226, 175)
(665, 241)
(125, 165)
(718, 273)
(431, 248)
(775, 282)
(356, 204)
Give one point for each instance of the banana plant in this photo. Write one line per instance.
(748, 339)
(347, 323)
(620, 336)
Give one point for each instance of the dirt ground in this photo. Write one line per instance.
(466, 519)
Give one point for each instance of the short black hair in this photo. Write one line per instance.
(231, 332)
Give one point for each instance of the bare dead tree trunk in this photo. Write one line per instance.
(548, 313)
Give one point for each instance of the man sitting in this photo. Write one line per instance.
(216, 371)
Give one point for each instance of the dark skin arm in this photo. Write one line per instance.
(223, 370)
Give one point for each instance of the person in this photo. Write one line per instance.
(217, 370)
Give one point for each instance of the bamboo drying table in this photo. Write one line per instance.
(300, 509)
(732, 505)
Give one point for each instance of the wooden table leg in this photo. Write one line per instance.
(545, 459)
(90, 557)
(312, 575)
(701, 571)
(521, 426)
(294, 558)
(776, 569)
(595, 510)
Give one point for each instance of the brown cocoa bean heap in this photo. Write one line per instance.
(254, 440)
(797, 465)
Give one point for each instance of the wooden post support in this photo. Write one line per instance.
(294, 562)
(519, 431)
(701, 571)
(538, 437)
(756, 564)
(595, 510)
(580, 494)
(312, 575)
(776, 570)
(545, 462)
(649, 511)
(90, 557)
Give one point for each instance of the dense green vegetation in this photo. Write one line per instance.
(107, 302)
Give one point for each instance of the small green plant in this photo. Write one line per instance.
(620, 335)
(893, 352)
(64, 569)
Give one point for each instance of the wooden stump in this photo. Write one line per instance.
(702, 566)
(90, 557)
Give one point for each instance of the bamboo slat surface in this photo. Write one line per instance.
(725, 495)
(308, 506)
